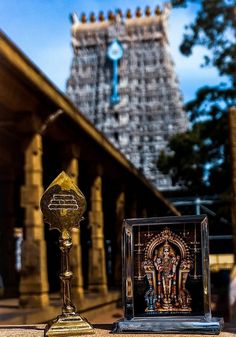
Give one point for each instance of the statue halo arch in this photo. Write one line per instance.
(170, 237)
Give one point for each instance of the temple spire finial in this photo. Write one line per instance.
(138, 12)
(92, 17)
(157, 10)
(119, 12)
(101, 16)
(128, 14)
(74, 18)
(83, 18)
(148, 11)
(111, 16)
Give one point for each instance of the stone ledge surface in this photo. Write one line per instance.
(102, 330)
(93, 304)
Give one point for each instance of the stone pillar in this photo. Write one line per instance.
(232, 124)
(97, 259)
(34, 280)
(72, 169)
(144, 213)
(120, 215)
(8, 272)
(232, 127)
(132, 210)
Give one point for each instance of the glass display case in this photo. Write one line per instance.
(166, 276)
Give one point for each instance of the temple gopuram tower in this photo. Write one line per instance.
(122, 78)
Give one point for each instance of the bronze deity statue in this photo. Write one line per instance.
(167, 266)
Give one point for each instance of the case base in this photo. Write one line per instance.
(168, 325)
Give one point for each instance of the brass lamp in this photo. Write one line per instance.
(63, 205)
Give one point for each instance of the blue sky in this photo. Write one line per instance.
(41, 29)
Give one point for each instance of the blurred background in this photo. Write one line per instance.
(136, 102)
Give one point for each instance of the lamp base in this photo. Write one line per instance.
(68, 326)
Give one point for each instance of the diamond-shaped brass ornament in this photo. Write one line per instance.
(63, 205)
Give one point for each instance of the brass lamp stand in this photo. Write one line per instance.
(63, 205)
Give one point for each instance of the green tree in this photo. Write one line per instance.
(199, 159)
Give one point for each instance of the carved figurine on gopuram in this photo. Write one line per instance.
(167, 266)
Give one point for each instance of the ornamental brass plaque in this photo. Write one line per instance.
(63, 204)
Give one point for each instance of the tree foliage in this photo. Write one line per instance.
(199, 159)
(213, 28)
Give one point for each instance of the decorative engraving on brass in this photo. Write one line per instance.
(61, 201)
(63, 205)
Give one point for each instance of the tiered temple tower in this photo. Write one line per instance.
(122, 78)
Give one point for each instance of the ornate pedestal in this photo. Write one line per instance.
(68, 326)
